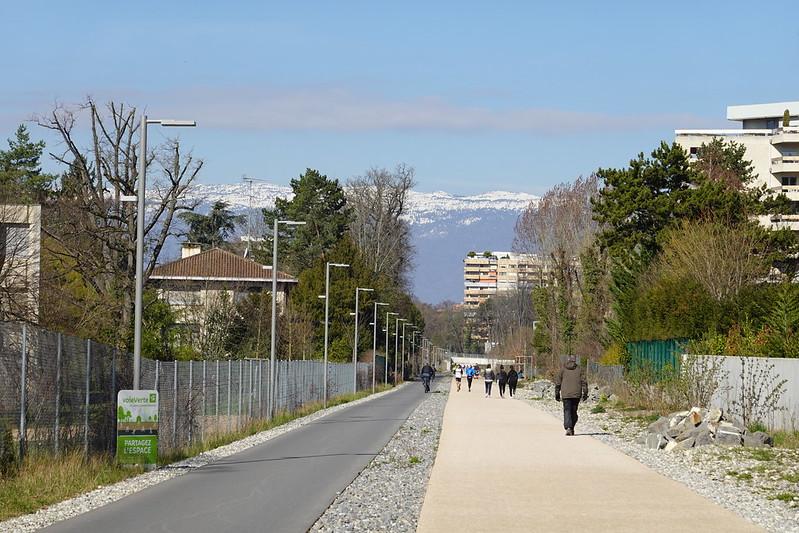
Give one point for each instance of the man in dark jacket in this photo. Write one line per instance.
(570, 385)
(427, 375)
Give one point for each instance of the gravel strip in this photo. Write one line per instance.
(388, 494)
(709, 470)
(105, 495)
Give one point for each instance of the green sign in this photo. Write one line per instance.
(137, 427)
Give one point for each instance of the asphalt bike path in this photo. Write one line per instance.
(505, 466)
(283, 485)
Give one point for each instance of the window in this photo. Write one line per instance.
(772, 123)
(789, 180)
(694, 152)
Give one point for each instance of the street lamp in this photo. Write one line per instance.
(396, 344)
(137, 319)
(327, 311)
(272, 373)
(388, 336)
(358, 291)
(404, 324)
(374, 346)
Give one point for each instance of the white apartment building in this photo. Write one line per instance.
(490, 273)
(20, 254)
(772, 147)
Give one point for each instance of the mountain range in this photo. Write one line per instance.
(444, 228)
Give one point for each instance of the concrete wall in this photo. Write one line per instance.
(787, 415)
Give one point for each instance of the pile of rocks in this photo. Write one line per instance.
(541, 389)
(699, 427)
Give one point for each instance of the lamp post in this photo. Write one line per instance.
(388, 336)
(396, 344)
(404, 324)
(374, 347)
(272, 373)
(137, 319)
(358, 291)
(413, 349)
(327, 321)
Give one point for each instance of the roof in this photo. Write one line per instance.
(217, 265)
(773, 110)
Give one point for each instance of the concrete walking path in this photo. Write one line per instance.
(505, 466)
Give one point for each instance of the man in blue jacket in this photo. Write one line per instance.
(469, 376)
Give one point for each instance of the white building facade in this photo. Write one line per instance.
(771, 146)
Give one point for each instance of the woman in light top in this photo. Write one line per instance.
(489, 380)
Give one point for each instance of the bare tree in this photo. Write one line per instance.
(88, 227)
(378, 201)
(723, 258)
(559, 227)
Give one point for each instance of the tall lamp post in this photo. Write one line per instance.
(396, 346)
(137, 319)
(327, 321)
(272, 373)
(404, 324)
(374, 347)
(388, 337)
(358, 291)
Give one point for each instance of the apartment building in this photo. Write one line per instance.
(771, 146)
(20, 253)
(490, 273)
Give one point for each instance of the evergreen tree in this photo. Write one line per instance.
(319, 202)
(21, 176)
(211, 230)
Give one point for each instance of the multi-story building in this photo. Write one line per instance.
(491, 273)
(20, 251)
(771, 146)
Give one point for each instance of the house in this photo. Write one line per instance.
(195, 283)
(20, 252)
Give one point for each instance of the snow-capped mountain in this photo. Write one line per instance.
(444, 226)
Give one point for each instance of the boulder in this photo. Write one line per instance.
(661, 425)
(703, 439)
(613, 399)
(655, 441)
(542, 389)
(758, 439)
(727, 437)
(686, 444)
(714, 416)
(671, 445)
(694, 417)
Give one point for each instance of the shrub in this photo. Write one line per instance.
(8, 451)
(613, 355)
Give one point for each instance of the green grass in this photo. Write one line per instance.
(762, 454)
(786, 439)
(598, 409)
(44, 480)
(793, 478)
(414, 460)
(757, 426)
(783, 496)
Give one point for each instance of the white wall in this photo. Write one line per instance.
(787, 417)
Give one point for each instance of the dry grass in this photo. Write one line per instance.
(44, 480)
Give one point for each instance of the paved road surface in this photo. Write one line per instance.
(283, 485)
(503, 466)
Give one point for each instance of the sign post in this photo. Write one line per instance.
(137, 427)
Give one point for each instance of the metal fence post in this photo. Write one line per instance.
(191, 401)
(216, 404)
(229, 364)
(157, 368)
(57, 392)
(241, 384)
(175, 407)
(249, 391)
(88, 393)
(205, 404)
(112, 444)
(23, 393)
(260, 384)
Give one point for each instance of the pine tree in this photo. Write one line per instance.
(21, 176)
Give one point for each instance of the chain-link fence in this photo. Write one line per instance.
(60, 392)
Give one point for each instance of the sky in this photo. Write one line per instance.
(476, 96)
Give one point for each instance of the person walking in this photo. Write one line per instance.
(570, 387)
(427, 375)
(502, 379)
(513, 380)
(458, 376)
(489, 377)
(469, 376)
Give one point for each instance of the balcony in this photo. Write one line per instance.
(786, 136)
(785, 164)
(791, 191)
(790, 222)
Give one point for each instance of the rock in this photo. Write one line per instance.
(675, 420)
(703, 439)
(686, 444)
(661, 425)
(670, 446)
(727, 438)
(694, 417)
(542, 389)
(613, 399)
(758, 439)
(714, 416)
(605, 392)
(655, 441)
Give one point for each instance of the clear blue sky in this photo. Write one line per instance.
(475, 95)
